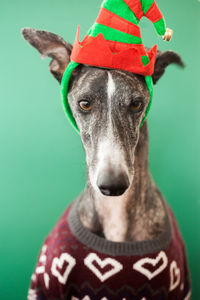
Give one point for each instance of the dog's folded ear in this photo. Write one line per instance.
(50, 45)
(163, 60)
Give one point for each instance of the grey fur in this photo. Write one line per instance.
(51, 45)
(139, 213)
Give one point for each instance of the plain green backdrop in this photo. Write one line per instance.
(42, 164)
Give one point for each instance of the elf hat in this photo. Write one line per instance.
(114, 41)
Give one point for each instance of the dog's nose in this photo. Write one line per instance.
(112, 184)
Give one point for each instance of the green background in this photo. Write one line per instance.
(42, 165)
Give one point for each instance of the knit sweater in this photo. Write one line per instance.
(76, 264)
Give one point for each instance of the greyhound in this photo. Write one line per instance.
(121, 202)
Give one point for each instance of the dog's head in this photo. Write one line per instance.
(108, 106)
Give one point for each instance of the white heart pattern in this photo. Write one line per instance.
(58, 262)
(140, 299)
(104, 298)
(116, 266)
(175, 276)
(188, 296)
(139, 265)
(85, 298)
(46, 280)
(32, 295)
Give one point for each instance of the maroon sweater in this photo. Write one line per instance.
(75, 264)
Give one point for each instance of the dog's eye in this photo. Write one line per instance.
(85, 105)
(136, 106)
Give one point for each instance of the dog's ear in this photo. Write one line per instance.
(164, 59)
(51, 45)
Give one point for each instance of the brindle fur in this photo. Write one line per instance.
(138, 214)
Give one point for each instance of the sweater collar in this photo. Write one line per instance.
(101, 245)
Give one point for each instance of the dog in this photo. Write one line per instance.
(119, 238)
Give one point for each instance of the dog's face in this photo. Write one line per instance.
(108, 106)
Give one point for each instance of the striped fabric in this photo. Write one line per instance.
(112, 20)
(113, 34)
(118, 21)
(120, 8)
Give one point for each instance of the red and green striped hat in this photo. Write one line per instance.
(114, 41)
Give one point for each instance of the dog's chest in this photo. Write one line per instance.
(72, 270)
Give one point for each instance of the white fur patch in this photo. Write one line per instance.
(113, 214)
(111, 86)
(109, 154)
(112, 210)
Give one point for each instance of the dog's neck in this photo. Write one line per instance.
(136, 215)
